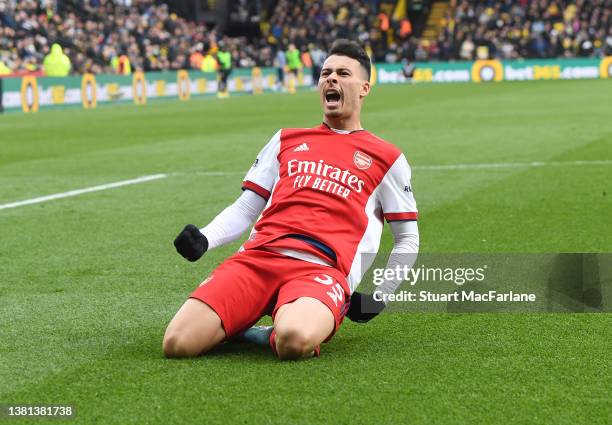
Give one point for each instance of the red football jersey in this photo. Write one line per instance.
(333, 187)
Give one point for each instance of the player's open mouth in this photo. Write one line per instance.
(332, 97)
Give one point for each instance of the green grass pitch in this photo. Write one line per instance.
(89, 283)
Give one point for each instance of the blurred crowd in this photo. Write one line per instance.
(375, 24)
(119, 36)
(96, 33)
(512, 29)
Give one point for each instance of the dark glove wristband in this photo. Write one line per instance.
(364, 307)
(191, 243)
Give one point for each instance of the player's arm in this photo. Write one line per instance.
(364, 307)
(226, 227)
(232, 222)
(399, 209)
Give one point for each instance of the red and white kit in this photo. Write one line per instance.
(334, 188)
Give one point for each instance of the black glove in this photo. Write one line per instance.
(191, 243)
(364, 307)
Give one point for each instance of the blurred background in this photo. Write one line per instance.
(123, 36)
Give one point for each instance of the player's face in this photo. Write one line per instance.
(342, 86)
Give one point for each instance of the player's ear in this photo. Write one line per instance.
(365, 89)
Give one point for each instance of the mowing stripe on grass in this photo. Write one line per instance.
(82, 191)
(439, 167)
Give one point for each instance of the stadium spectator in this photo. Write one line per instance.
(405, 28)
(317, 55)
(306, 59)
(196, 57)
(209, 63)
(56, 63)
(4, 70)
(121, 65)
(280, 62)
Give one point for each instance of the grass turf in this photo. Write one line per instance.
(89, 283)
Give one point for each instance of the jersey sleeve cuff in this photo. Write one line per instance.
(409, 216)
(254, 187)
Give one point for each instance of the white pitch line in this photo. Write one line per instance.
(82, 191)
(210, 173)
(510, 165)
(230, 173)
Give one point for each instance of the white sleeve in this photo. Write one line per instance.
(234, 220)
(404, 253)
(264, 171)
(396, 197)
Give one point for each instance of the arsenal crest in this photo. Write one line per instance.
(362, 160)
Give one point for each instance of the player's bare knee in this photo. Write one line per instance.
(291, 348)
(293, 343)
(178, 345)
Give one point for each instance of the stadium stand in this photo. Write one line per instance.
(106, 36)
(514, 29)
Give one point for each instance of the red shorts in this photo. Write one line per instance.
(255, 282)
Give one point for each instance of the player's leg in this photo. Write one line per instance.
(195, 329)
(219, 83)
(300, 327)
(234, 297)
(259, 335)
(293, 80)
(226, 74)
(309, 309)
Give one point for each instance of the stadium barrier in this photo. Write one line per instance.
(496, 70)
(30, 93)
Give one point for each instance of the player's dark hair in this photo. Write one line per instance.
(352, 49)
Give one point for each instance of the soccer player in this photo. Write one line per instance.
(321, 195)
(224, 58)
(294, 65)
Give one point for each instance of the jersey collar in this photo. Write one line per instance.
(324, 126)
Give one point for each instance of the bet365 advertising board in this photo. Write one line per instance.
(29, 93)
(496, 70)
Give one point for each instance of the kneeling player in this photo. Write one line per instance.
(322, 194)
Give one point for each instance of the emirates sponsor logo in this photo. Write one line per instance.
(362, 161)
(330, 178)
